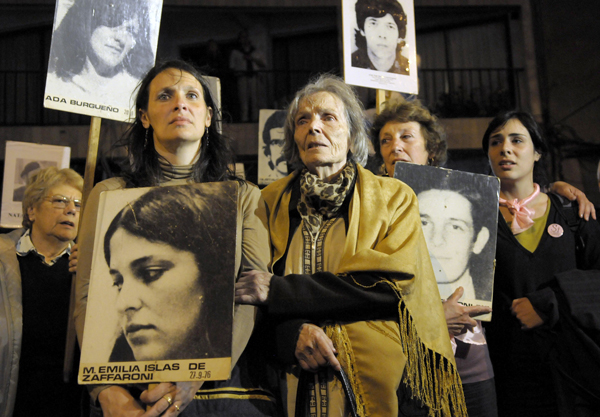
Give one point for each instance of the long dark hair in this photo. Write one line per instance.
(188, 218)
(144, 168)
(535, 131)
(71, 39)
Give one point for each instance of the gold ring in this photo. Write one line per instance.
(177, 407)
(169, 399)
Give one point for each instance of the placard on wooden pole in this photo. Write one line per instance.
(88, 184)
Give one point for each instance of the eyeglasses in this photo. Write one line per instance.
(61, 202)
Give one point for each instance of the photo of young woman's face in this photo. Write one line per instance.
(159, 296)
(110, 45)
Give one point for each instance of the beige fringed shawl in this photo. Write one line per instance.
(384, 235)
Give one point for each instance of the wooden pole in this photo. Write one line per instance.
(88, 184)
(382, 96)
(380, 99)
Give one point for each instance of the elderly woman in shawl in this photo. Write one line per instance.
(352, 287)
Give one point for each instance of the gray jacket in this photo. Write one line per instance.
(11, 320)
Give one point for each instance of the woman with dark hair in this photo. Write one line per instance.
(101, 43)
(407, 131)
(173, 141)
(542, 248)
(173, 261)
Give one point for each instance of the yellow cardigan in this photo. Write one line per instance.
(385, 235)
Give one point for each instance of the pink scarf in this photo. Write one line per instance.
(522, 216)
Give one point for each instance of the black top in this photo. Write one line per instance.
(46, 292)
(523, 374)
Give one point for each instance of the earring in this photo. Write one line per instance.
(206, 136)
(383, 170)
(146, 139)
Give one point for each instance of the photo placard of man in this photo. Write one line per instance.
(453, 227)
(271, 162)
(29, 170)
(380, 36)
(22, 161)
(458, 213)
(380, 45)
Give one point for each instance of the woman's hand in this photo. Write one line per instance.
(73, 258)
(253, 287)
(116, 401)
(526, 314)
(314, 349)
(568, 191)
(168, 399)
(459, 317)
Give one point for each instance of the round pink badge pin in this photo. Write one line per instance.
(555, 230)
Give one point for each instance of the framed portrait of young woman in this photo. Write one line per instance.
(160, 303)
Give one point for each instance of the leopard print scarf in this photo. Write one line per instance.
(320, 200)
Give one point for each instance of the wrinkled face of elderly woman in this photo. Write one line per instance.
(158, 295)
(321, 133)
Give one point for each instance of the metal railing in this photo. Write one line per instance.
(449, 93)
(478, 92)
(21, 102)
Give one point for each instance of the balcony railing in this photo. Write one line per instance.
(21, 102)
(479, 92)
(450, 93)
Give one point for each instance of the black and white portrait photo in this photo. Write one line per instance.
(459, 212)
(100, 50)
(271, 160)
(161, 287)
(22, 161)
(25, 169)
(379, 44)
(380, 36)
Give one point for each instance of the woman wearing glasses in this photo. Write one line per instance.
(35, 287)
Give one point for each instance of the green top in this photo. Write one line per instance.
(530, 238)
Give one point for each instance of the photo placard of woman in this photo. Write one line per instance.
(100, 51)
(163, 270)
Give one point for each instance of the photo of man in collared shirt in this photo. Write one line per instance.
(380, 36)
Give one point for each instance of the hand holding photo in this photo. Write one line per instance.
(459, 214)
